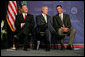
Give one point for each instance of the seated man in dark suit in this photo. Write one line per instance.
(24, 24)
(62, 25)
(44, 24)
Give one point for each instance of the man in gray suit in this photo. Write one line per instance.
(62, 25)
(44, 24)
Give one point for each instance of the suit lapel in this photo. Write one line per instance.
(27, 17)
(59, 19)
(42, 18)
(22, 17)
(63, 18)
(47, 18)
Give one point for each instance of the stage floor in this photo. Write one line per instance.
(42, 52)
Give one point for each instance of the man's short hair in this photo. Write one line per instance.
(58, 6)
(43, 7)
(23, 5)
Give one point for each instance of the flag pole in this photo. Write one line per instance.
(14, 47)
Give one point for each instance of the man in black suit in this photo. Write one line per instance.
(62, 25)
(44, 24)
(24, 24)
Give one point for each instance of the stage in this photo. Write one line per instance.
(75, 10)
(42, 52)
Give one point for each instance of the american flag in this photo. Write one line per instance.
(11, 14)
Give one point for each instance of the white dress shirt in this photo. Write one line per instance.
(22, 24)
(24, 14)
(61, 16)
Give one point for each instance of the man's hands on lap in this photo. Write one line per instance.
(65, 29)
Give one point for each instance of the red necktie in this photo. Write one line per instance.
(25, 17)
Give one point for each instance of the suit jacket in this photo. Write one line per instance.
(42, 25)
(57, 23)
(29, 23)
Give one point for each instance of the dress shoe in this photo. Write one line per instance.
(69, 47)
(25, 49)
(47, 49)
(34, 48)
(62, 48)
(55, 48)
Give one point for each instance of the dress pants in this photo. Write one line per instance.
(70, 33)
(25, 39)
(46, 39)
